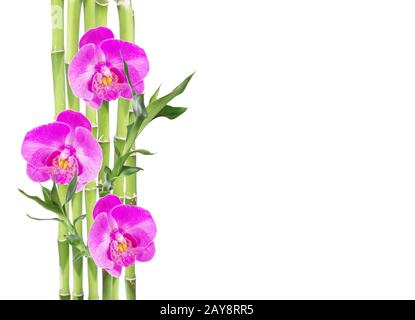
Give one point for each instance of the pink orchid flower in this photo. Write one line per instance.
(61, 148)
(120, 235)
(96, 73)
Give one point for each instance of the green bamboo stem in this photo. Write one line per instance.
(78, 291)
(90, 200)
(89, 14)
(101, 12)
(63, 248)
(58, 69)
(101, 16)
(72, 39)
(58, 55)
(131, 199)
(126, 22)
(91, 190)
(104, 141)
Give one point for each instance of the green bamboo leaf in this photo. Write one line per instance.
(55, 195)
(144, 152)
(117, 151)
(155, 95)
(44, 219)
(132, 132)
(73, 239)
(46, 205)
(128, 171)
(108, 171)
(138, 106)
(121, 161)
(72, 188)
(156, 106)
(46, 194)
(127, 73)
(79, 219)
(170, 112)
(79, 254)
(107, 183)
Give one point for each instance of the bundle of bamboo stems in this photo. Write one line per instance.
(125, 187)
(95, 14)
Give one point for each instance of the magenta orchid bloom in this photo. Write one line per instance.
(96, 73)
(61, 148)
(120, 235)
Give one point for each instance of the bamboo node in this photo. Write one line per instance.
(103, 3)
(130, 198)
(102, 140)
(124, 3)
(63, 294)
(130, 279)
(78, 294)
(120, 138)
(57, 51)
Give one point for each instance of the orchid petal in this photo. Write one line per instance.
(115, 271)
(94, 103)
(89, 155)
(135, 221)
(42, 141)
(99, 241)
(38, 174)
(73, 119)
(82, 69)
(147, 253)
(96, 36)
(106, 204)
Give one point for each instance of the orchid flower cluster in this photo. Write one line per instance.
(68, 154)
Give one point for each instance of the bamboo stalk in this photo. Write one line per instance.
(90, 200)
(101, 16)
(63, 248)
(131, 199)
(101, 12)
(89, 14)
(78, 291)
(90, 190)
(103, 138)
(72, 39)
(58, 70)
(58, 55)
(126, 23)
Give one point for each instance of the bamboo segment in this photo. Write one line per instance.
(90, 200)
(89, 14)
(63, 247)
(131, 199)
(126, 22)
(103, 138)
(91, 190)
(78, 291)
(58, 55)
(72, 39)
(101, 12)
(58, 69)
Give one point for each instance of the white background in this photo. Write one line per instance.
(292, 175)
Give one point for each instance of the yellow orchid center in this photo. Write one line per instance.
(107, 81)
(63, 164)
(122, 247)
